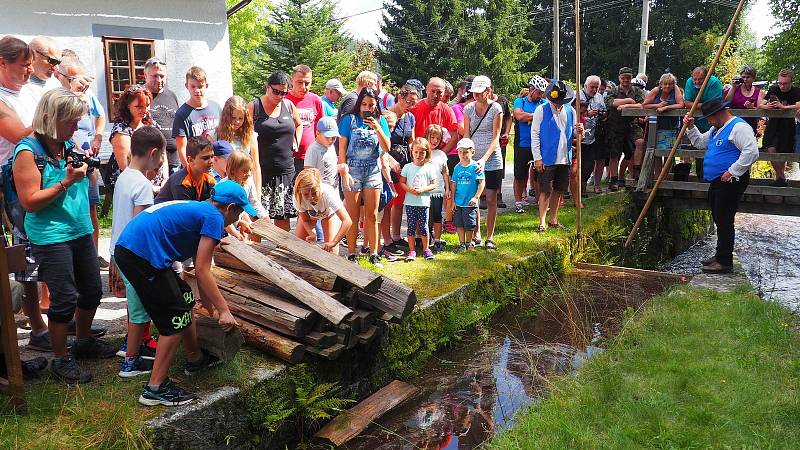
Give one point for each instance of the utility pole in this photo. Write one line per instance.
(644, 45)
(556, 43)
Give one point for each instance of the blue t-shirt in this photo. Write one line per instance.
(171, 231)
(713, 90)
(524, 128)
(86, 131)
(419, 177)
(346, 128)
(466, 181)
(328, 108)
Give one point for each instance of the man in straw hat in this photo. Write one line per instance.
(552, 129)
(731, 149)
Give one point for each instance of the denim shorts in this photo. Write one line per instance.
(466, 217)
(364, 177)
(94, 193)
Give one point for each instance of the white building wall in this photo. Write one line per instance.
(195, 32)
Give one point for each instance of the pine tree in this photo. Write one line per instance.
(307, 32)
(246, 34)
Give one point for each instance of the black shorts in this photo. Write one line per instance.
(452, 160)
(436, 210)
(780, 135)
(554, 178)
(167, 299)
(494, 179)
(522, 163)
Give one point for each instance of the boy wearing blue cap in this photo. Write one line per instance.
(152, 241)
(222, 149)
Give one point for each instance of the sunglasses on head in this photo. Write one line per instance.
(50, 60)
(153, 62)
(278, 92)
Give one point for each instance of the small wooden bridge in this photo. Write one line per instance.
(760, 197)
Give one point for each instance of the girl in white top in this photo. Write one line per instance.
(239, 169)
(435, 136)
(315, 200)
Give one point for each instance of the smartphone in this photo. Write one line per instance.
(773, 98)
(367, 114)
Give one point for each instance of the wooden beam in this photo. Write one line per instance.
(286, 280)
(771, 113)
(220, 343)
(272, 343)
(13, 385)
(393, 298)
(351, 423)
(758, 207)
(629, 270)
(751, 189)
(762, 156)
(319, 278)
(354, 274)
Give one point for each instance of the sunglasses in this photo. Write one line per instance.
(50, 60)
(278, 92)
(134, 88)
(153, 62)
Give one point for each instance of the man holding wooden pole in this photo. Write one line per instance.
(151, 242)
(731, 149)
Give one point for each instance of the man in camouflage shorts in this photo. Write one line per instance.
(623, 130)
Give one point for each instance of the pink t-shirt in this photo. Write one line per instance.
(310, 110)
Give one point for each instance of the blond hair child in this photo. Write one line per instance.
(434, 134)
(418, 179)
(318, 201)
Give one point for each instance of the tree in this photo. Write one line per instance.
(306, 32)
(246, 34)
(781, 49)
(453, 38)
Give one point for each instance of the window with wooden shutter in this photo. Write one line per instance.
(124, 65)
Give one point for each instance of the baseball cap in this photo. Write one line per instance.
(327, 126)
(465, 143)
(480, 84)
(231, 193)
(336, 85)
(626, 71)
(222, 148)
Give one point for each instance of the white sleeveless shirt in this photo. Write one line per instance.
(23, 103)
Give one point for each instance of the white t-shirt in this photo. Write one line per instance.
(327, 205)
(132, 189)
(324, 159)
(439, 159)
(23, 103)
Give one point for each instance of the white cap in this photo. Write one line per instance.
(480, 84)
(465, 143)
(336, 85)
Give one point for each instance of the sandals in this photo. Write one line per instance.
(541, 229)
(490, 245)
(554, 225)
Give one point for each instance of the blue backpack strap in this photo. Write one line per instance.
(39, 154)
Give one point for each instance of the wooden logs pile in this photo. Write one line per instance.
(291, 297)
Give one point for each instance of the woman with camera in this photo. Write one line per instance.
(56, 198)
(279, 129)
(364, 135)
(743, 95)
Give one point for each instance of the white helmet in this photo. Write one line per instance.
(539, 83)
(638, 82)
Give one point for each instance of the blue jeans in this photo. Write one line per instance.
(318, 229)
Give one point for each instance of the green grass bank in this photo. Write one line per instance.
(692, 369)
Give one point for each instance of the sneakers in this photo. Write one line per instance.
(41, 342)
(30, 369)
(411, 256)
(67, 370)
(716, 267)
(709, 261)
(146, 350)
(92, 348)
(519, 208)
(207, 360)
(392, 249)
(427, 254)
(461, 248)
(375, 260)
(365, 250)
(471, 245)
(436, 247)
(401, 243)
(388, 256)
(531, 193)
(102, 263)
(167, 394)
(93, 331)
(352, 258)
(135, 366)
(612, 184)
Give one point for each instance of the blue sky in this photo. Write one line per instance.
(367, 26)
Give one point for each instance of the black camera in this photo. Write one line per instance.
(738, 80)
(78, 158)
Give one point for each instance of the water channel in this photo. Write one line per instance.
(474, 389)
(471, 391)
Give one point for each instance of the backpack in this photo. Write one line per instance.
(11, 205)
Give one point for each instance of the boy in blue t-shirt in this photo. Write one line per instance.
(467, 184)
(151, 242)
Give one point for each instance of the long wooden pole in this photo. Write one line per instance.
(578, 193)
(671, 156)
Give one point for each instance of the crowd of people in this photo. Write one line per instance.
(182, 175)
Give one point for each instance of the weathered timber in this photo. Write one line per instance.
(330, 353)
(220, 343)
(268, 342)
(369, 335)
(751, 189)
(354, 274)
(286, 280)
(785, 113)
(393, 298)
(248, 286)
(762, 156)
(355, 420)
(355, 323)
(320, 279)
(367, 318)
(320, 339)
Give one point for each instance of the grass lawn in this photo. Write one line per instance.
(514, 236)
(692, 369)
